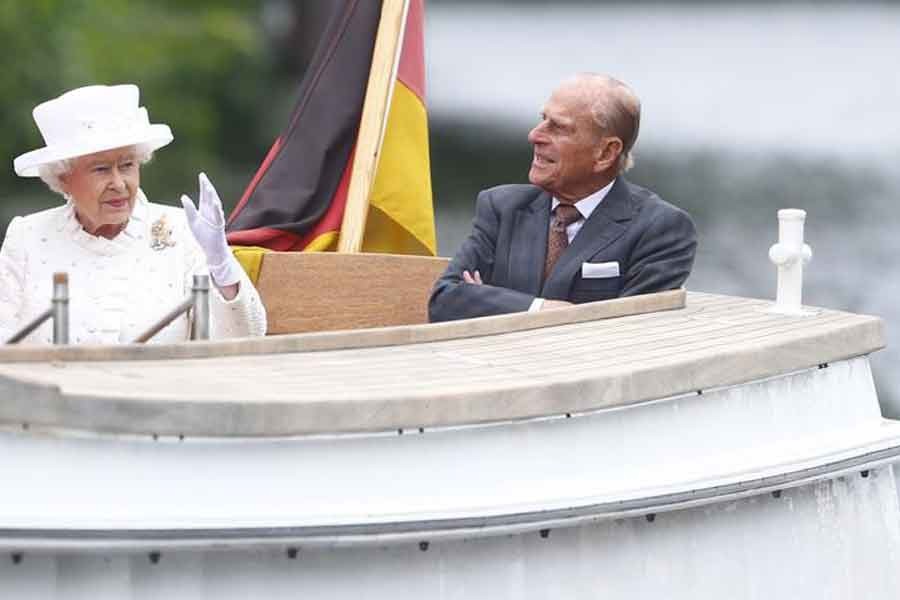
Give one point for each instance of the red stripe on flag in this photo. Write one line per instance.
(284, 241)
(267, 161)
(411, 70)
(273, 239)
(331, 220)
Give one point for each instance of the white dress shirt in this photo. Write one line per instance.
(119, 287)
(586, 207)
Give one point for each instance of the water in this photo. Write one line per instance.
(816, 79)
(747, 108)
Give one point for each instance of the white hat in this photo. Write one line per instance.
(91, 119)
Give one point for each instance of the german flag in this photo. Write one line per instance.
(296, 199)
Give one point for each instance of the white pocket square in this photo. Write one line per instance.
(599, 270)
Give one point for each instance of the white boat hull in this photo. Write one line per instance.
(771, 488)
(826, 540)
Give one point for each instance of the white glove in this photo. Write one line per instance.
(208, 227)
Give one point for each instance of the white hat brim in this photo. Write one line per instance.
(155, 136)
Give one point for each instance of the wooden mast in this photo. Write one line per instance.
(382, 77)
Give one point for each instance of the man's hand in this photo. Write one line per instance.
(552, 304)
(474, 278)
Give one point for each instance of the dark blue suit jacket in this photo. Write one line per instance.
(653, 242)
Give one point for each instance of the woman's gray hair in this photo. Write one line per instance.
(51, 173)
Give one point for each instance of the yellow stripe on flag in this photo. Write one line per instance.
(250, 258)
(401, 214)
(326, 242)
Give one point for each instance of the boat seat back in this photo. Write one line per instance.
(324, 291)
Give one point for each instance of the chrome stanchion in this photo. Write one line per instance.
(58, 311)
(60, 308)
(168, 318)
(34, 324)
(200, 293)
(197, 302)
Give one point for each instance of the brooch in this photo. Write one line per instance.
(161, 234)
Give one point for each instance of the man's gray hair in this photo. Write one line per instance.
(617, 111)
(51, 173)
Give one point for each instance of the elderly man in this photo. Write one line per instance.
(581, 232)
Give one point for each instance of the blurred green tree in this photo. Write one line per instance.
(204, 67)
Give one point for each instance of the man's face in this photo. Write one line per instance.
(565, 145)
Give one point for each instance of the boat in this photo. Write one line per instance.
(679, 444)
(672, 445)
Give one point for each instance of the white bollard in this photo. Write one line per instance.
(789, 255)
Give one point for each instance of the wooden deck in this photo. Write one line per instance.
(492, 369)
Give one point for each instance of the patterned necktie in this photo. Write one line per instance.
(557, 240)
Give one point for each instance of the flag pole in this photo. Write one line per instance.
(382, 77)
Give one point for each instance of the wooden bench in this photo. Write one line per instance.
(324, 291)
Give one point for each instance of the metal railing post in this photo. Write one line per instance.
(197, 302)
(60, 308)
(200, 295)
(58, 311)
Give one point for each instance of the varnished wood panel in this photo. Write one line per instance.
(326, 291)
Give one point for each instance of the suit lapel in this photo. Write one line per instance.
(528, 249)
(605, 225)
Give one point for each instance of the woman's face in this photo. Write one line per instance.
(103, 188)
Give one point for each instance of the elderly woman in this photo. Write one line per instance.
(128, 260)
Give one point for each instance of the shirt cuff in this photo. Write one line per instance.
(536, 305)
